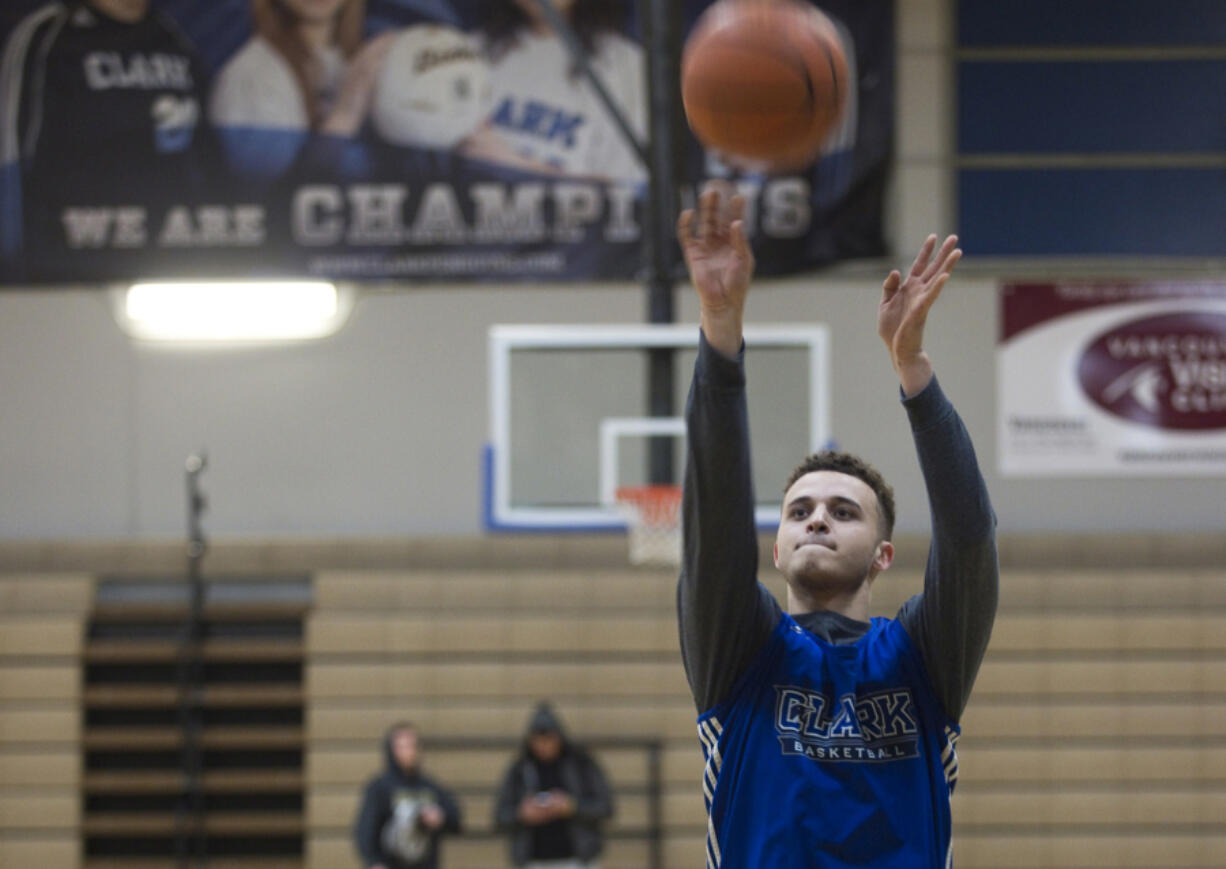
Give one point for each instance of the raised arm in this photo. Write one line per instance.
(952, 620)
(724, 614)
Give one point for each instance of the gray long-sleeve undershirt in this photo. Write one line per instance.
(726, 615)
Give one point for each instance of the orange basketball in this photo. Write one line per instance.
(764, 81)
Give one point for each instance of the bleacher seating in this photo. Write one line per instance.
(1093, 738)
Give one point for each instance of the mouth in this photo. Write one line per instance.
(819, 543)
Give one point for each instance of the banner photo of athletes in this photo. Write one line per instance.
(1112, 378)
(377, 139)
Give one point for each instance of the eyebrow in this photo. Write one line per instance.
(837, 499)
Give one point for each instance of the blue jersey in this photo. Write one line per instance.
(829, 756)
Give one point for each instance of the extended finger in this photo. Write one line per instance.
(892, 282)
(685, 223)
(740, 242)
(708, 212)
(925, 253)
(929, 298)
(947, 264)
(721, 187)
(941, 260)
(736, 207)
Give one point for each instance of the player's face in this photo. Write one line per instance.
(314, 10)
(405, 748)
(829, 539)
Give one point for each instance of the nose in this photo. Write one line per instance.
(819, 522)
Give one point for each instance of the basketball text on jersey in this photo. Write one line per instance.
(869, 727)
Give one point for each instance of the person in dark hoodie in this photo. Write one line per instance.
(404, 812)
(553, 799)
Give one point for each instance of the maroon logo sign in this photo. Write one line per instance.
(1167, 371)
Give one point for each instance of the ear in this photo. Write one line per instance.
(776, 551)
(884, 557)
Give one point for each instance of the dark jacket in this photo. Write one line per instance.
(387, 830)
(581, 777)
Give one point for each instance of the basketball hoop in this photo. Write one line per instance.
(653, 522)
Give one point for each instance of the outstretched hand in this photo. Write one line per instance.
(905, 303)
(721, 264)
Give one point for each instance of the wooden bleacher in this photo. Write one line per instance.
(40, 717)
(247, 696)
(1094, 738)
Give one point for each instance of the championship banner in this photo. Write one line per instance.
(376, 140)
(1112, 379)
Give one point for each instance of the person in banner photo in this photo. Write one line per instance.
(404, 813)
(545, 116)
(102, 133)
(305, 71)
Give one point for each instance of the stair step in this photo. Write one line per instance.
(137, 611)
(238, 781)
(174, 781)
(144, 782)
(214, 823)
(131, 695)
(251, 640)
(110, 651)
(173, 863)
(131, 738)
(145, 738)
(163, 696)
(253, 737)
(254, 650)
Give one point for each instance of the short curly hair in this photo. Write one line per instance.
(853, 466)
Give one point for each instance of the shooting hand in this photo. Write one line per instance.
(905, 303)
(721, 263)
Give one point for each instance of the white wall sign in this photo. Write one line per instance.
(1112, 378)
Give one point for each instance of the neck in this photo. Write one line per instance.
(316, 34)
(854, 603)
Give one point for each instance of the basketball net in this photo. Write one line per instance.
(653, 524)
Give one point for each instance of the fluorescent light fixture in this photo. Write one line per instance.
(233, 312)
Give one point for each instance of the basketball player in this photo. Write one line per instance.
(829, 736)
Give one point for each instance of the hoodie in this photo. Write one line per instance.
(387, 829)
(575, 772)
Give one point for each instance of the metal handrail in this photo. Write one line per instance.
(190, 836)
(653, 748)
